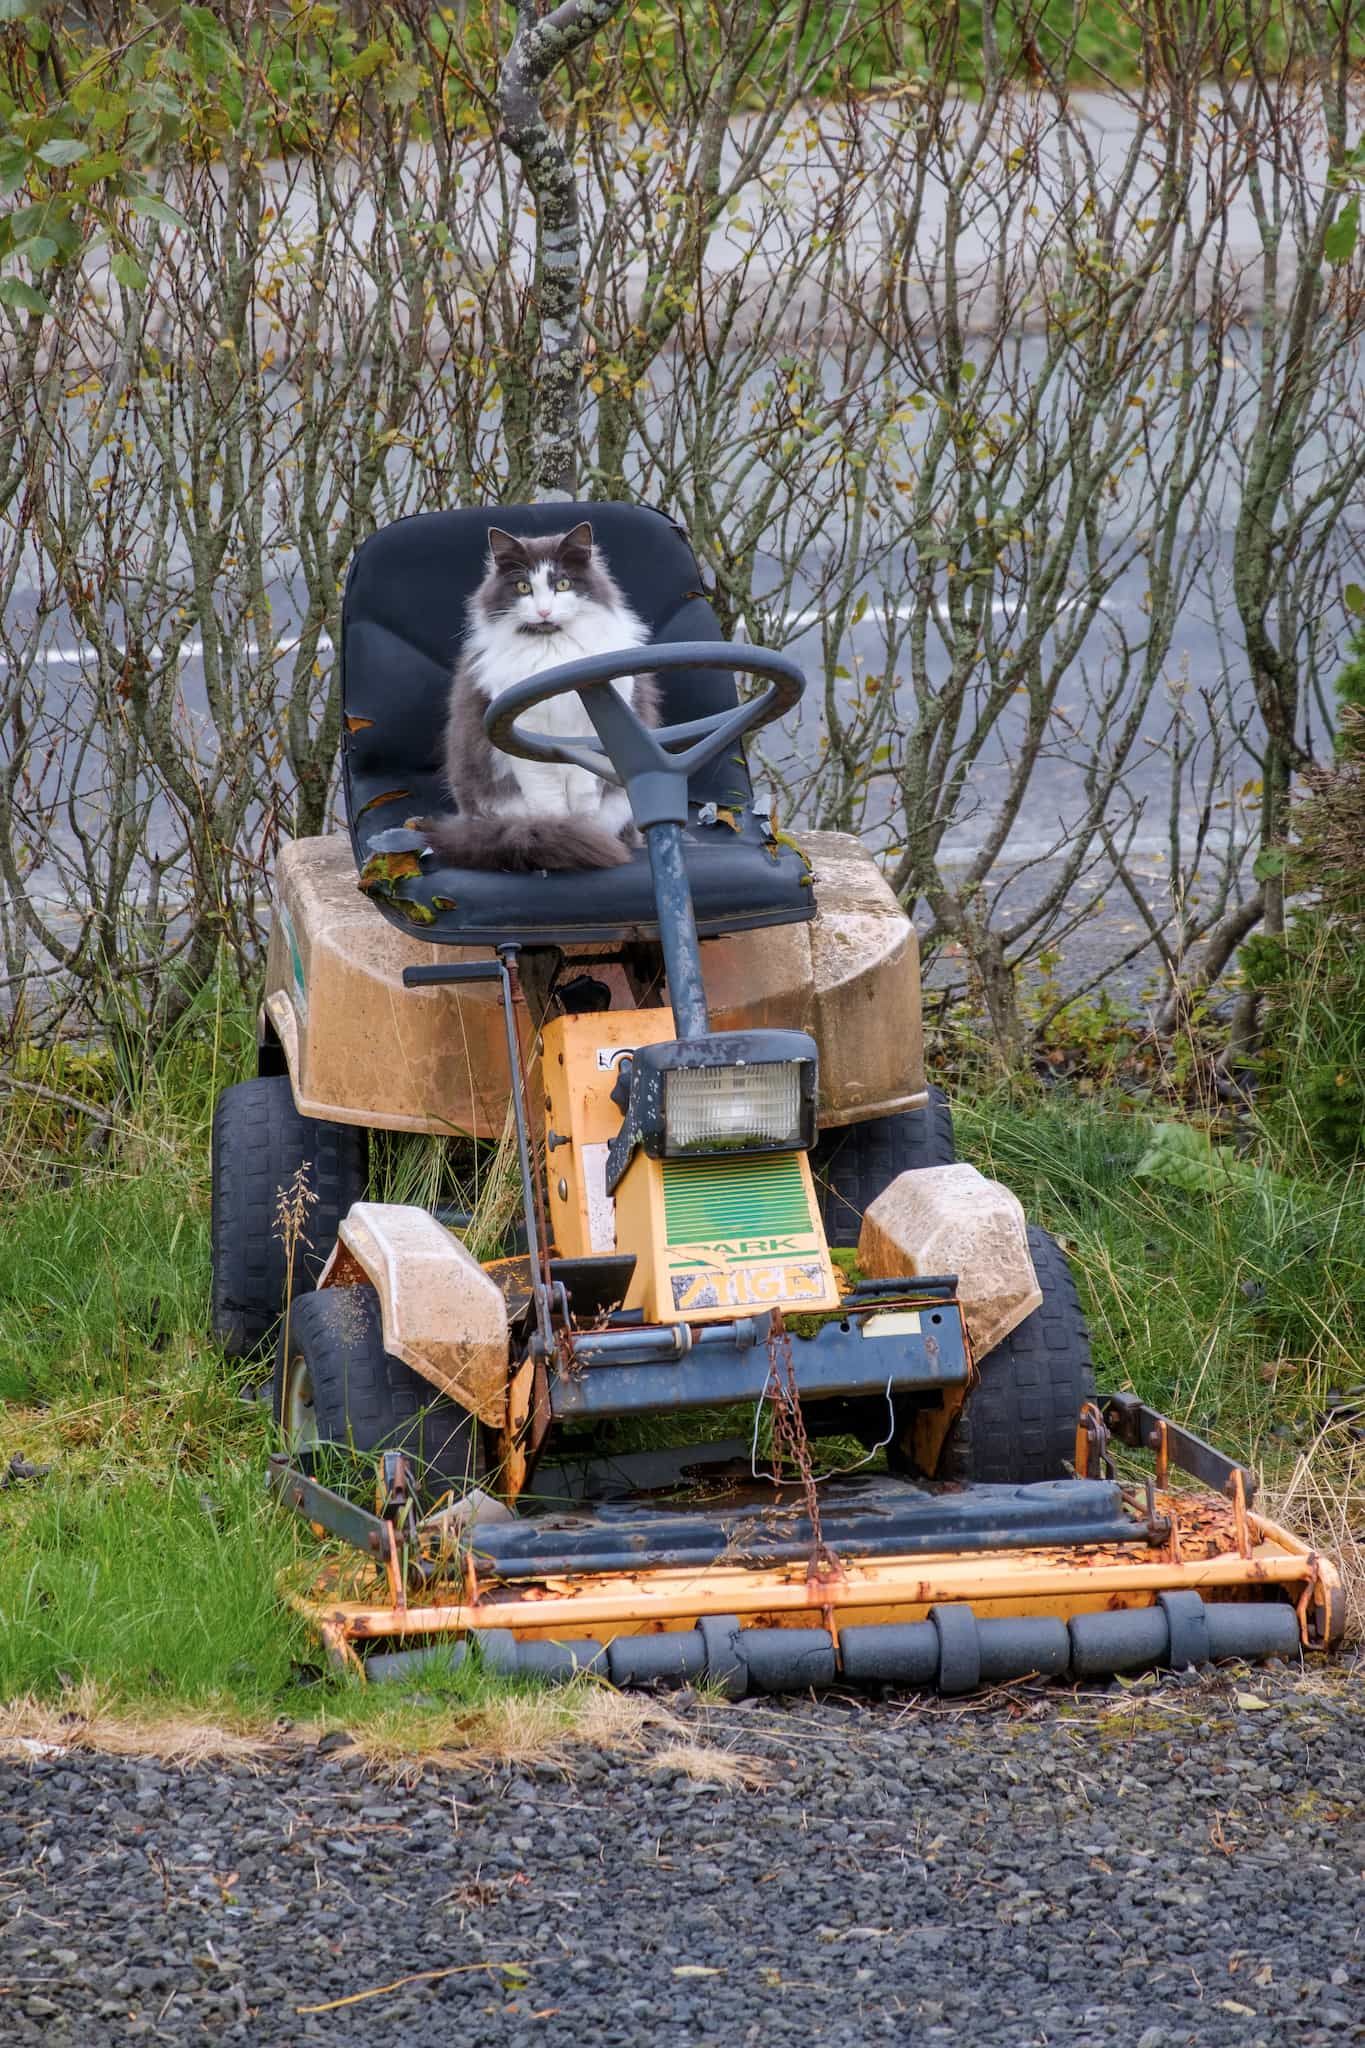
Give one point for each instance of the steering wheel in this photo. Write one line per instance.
(652, 763)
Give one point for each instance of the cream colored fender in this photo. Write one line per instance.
(363, 1049)
(951, 1219)
(441, 1313)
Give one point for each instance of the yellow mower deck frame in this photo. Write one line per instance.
(1217, 1550)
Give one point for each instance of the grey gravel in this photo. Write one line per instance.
(1153, 1867)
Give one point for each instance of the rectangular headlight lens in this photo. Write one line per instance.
(709, 1109)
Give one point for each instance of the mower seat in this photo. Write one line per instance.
(402, 620)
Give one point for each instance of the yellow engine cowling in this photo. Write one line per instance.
(712, 1238)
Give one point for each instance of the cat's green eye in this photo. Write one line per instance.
(563, 583)
(523, 587)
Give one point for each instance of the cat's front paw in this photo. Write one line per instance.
(614, 815)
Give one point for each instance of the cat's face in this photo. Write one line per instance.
(538, 587)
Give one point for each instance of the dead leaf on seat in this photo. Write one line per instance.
(382, 870)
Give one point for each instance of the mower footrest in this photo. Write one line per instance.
(923, 1348)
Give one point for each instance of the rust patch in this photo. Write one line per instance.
(358, 724)
(512, 1277)
(344, 1270)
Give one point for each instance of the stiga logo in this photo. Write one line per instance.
(759, 1286)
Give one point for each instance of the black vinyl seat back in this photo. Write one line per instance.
(403, 617)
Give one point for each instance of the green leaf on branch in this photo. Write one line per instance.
(14, 292)
(63, 150)
(152, 207)
(1339, 242)
(128, 271)
(366, 62)
(210, 51)
(1354, 598)
(108, 164)
(1269, 862)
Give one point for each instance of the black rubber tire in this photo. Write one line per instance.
(366, 1400)
(259, 1143)
(853, 1164)
(1018, 1423)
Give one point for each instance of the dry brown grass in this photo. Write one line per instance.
(1323, 1501)
(85, 1720)
(547, 1727)
(709, 1766)
(397, 1741)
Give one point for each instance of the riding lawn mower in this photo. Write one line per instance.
(743, 1243)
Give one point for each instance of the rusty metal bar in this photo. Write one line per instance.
(1239, 1509)
(1141, 1428)
(317, 1503)
(646, 1600)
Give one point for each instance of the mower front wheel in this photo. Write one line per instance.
(854, 1163)
(336, 1384)
(261, 1145)
(1018, 1423)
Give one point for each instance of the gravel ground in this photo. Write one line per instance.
(1153, 1867)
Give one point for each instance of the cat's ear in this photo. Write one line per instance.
(504, 547)
(578, 540)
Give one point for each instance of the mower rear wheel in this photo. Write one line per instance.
(854, 1163)
(1018, 1423)
(260, 1142)
(336, 1384)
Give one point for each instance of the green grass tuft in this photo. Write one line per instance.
(151, 1587)
(98, 1279)
(1236, 1309)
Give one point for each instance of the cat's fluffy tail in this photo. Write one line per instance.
(518, 845)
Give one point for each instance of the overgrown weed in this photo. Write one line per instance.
(1237, 1308)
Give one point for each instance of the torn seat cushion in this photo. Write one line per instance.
(402, 621)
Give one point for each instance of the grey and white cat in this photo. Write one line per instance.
(541, 602)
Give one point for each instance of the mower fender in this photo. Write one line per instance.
(951, 1219)
(441, 1313)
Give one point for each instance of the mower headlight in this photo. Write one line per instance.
(709, 1109)
(726, 1092)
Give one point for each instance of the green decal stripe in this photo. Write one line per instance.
(734, 1198)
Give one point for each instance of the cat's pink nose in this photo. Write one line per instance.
(545, 611)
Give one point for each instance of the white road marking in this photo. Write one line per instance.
(190, 650)
(1216, 840)
(999, 609)
(800, 621)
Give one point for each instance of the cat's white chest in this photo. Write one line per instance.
(500, 658)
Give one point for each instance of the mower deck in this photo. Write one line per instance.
(900, 1583)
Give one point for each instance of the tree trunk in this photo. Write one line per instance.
(537, 47)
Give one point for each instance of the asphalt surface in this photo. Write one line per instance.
(1152, 1867)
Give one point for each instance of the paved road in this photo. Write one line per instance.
(807, 162)
(1164, 1868)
